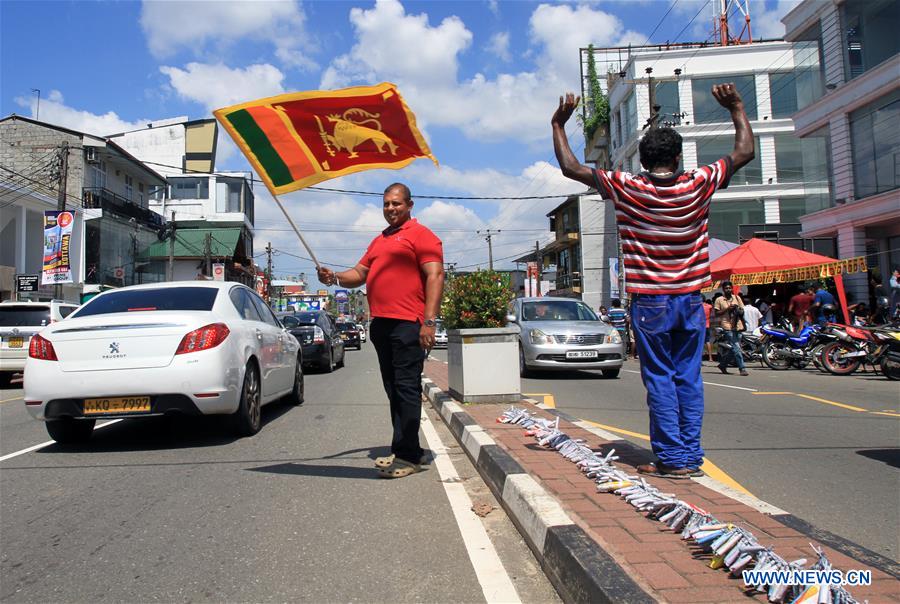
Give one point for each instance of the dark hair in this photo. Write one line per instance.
(615, 303)
(407, 195)
(660, 147)
(724, 283)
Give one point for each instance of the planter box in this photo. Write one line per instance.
(483, 365)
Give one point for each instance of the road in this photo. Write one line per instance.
(825, 448)
(178, 511)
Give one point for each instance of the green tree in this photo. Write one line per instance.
(596, 106)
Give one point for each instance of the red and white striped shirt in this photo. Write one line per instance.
(663, 226)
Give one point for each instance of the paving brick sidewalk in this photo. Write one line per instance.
(665, 566)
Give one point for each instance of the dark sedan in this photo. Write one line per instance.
(319, 338)
(350, 335)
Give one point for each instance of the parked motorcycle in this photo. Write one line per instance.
(877, 346)
(783, 349)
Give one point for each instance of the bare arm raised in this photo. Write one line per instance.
(729, 98)
(571, 167)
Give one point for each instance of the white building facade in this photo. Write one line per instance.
(859, 118)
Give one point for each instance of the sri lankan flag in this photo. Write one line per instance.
(299, 139)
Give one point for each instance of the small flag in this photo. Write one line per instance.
(299, 139)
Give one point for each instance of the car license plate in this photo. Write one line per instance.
(16, 342)
(345, 336)
(122, 404)
(581, 354)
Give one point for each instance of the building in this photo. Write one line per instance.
(858, 118)
(174, 146)
(788, 177)
(106, 187)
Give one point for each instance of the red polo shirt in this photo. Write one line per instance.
(395, 285)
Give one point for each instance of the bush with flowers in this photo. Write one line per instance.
(476, 300)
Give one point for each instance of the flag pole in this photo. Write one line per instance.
(296, 230)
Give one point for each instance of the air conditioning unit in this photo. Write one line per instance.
(91, 156)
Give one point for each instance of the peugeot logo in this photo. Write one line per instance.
(113, 348)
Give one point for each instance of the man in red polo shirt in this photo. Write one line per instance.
(403, 270)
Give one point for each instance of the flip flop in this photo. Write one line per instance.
(399, 468)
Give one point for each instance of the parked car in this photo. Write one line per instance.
(318, 335)
(191, 347)
(362, 332)
(19, 321)
(565, 334)
(350, 334)
(440, 335)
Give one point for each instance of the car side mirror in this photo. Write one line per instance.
(511, 318)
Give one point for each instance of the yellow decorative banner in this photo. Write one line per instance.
(806, 273)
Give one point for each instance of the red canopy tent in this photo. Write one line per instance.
(768, 262)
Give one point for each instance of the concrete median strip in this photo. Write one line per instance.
(576, 565)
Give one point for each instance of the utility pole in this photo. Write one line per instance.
(207, 253)
(489, 234)
(171, 275)
(651, 81)
(269, 272)
(61, 196)
(540, 268)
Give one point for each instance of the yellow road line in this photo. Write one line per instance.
(817, 399)
(711, 469)
(883, 413)
(548, 398)
(9, 400)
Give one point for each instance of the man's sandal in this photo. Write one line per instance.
(384, 462)
(663, 471)
(399, 468)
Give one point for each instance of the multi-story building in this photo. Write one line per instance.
(106, 187)
(858, 118)
(174, 146)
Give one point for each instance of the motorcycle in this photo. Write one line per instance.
(877, 346)
(783, 349)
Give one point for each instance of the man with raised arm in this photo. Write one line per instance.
(403, 269)
(662, 218)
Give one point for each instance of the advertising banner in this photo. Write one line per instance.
(218, 271)
(342, 298)
(57, 239)
(27, 283)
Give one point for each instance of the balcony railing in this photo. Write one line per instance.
(101, 198)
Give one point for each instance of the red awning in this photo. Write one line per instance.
(759, 255)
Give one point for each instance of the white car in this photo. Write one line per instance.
(18, 322)
(192, 347)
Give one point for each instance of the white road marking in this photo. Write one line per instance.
(50, 442)
(707, 383)
(493, 578)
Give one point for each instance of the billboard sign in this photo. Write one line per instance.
(57, 240)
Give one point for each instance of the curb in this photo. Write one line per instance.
(579, 569)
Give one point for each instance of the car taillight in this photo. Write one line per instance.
(203, 338)
(318, 335)
(41, 348)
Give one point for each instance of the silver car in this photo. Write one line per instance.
(564, 334)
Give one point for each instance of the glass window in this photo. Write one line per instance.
(129, 187)
(875, 141)
(244, 304)
(708, 111)
(189, 188)
(167, 298)
(801, 159)
(557, 310)
(712, 149)
(792, 209)
(24, 316)
(791, 91)
(156, 192)
(669, 105)
(263, 309)
(629, 118)
(870, 32)
(725, 217)
(98, 174)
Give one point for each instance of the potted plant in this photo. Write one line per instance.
(482, 353)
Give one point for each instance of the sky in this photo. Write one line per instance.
(482, 77)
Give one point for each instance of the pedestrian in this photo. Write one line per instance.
(707, 310)
(895, 288)
(662, 216)
(403, 272)
(765, 308)
(730, 310)
(822, 309)
(752, 316)
(798, 308)
(604, 316)
(618, 318)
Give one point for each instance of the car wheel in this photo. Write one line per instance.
(297, 393)
(343, 359)
(327, 365)
(610, 374)
(524, 370)
(71, 431)
(248, 416)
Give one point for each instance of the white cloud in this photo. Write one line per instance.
(198, 26)
(499, 46)
(511, 106)
(217, 85)
(54, 111)
(767, 23)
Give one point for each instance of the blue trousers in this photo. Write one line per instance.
(669, 332)
(734, 338)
